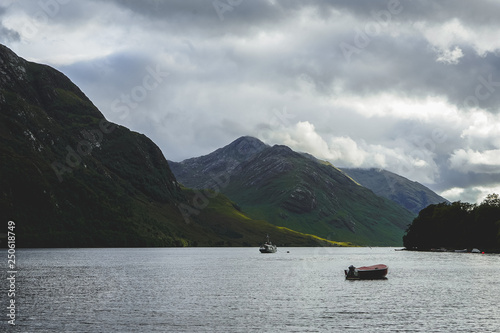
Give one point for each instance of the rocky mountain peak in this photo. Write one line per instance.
(242, 148)
(198, 172)
(282, 149)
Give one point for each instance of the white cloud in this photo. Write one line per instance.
(344, 151)
(450, 56)
(453, 194)
(431, 109)
(443, 36)
(482, 126)
(474, 194)
(469, 160)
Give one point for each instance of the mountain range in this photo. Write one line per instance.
(70, 178)
(303, 193)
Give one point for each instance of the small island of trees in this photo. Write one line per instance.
(457, 225)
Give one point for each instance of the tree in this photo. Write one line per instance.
(457, 225)
(492, 200)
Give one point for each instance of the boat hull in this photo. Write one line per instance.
(272, 249)
(375, 272)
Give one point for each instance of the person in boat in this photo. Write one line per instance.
(351, 272)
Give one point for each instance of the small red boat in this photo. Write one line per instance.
(366, 272)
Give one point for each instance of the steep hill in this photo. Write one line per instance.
(296, 191)
(409, 194)
(69, 178)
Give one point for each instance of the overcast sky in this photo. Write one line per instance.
(409, 86)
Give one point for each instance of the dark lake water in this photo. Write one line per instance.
(242, 290)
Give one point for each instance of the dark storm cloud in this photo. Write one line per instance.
(407, 65)
(260, 12)
(477, 13)
(404, 63)
(470, 182)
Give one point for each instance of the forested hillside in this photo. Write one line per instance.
(457, 225)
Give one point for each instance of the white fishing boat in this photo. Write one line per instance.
(268, 247)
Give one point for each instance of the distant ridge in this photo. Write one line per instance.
(409, 194)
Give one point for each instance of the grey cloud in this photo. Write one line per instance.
(404, 63)
(453, 178)
(476, 13)
(261, 12)
(7, 35)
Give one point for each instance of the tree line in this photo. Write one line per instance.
(456, 225)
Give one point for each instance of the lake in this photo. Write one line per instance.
(242, 290)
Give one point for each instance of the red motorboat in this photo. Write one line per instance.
(366, 272)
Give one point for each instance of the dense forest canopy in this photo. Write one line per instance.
(457, 225)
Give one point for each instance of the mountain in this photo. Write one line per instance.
(299, 192)
(70, 178)
(409, 194)
(198, 172)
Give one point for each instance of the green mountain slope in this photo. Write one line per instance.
(69, 178)
(298, 192)
(227, 225)
(410, 195)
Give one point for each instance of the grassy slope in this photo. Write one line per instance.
(228, 226)
(377, 227)
(344, 210)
